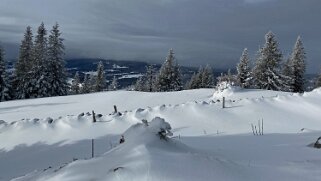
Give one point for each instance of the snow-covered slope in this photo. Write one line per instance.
(217, 141)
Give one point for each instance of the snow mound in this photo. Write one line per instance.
(225, 89)
(147, 132)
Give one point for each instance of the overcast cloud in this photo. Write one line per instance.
(200, 31)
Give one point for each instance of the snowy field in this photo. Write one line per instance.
(208, 143)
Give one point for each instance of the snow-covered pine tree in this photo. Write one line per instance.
(92, 82)
(140, 84)
(267, 71)
(177, 78)
(101, 79)
(56, 63)
(169, 78)
(298, 66)
(244, 70)
(86, 86)
(4, 81)
(149, 78)
(288, 73)
(207, 77)
(196, 79)
(23, 66)
(40, 75)
(192, 84)
(114, 84)
(75, 89)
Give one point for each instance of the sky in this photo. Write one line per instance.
(201, 32)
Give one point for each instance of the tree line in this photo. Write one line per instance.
(40, 71)
(40, 68)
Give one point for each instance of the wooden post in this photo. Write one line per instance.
(223, 103)
(94, 117)
(92, 148)
(262, 126)
(115, 109)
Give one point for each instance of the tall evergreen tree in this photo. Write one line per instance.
(244, 70)
(101, 79)
(92, 82)
(298, 66)
(150, 78)
(169, 78)
(40, 75)
(140, 84)
(4, 81)
(56, 63)
(267, 73)
(196, 79)
(114, 84)
(86, 86)
(207, 77)
(23, 66)
(75, 89)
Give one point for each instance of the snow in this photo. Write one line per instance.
(208, 143)
(129, 76)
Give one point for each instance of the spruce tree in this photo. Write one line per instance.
(23, 66)
(207, 77)
(4, 81)
(86, 86)
(267, 71)
(101, 79)
(244, 70)
(149, 78)
(92, 82)
(140, 84)
(114, 84)
(75, 89)
(298, 66)
(196, 79)
(288, 76)
(169, 77)
(40, 73)
(56, 63)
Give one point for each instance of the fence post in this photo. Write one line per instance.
(223, 103)
(115, 109)
(92, 148)
(94, 117)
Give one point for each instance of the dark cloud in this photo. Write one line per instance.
(201, 32)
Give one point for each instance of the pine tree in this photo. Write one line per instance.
(23, 66)
(101, 79)
(140, 84)
(288, 73)
(40, 74)
(298, 66)
(244, 70)
(92, 82)
(267, 71)
(207, 77)
(169, 77)
(4, 81)
(75, 89)
(114, 84)
(149, 78)
(196, 79)
(177, 78)
(56, 63)
(86, 85)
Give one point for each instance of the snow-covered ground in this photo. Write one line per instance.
(209, 142)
